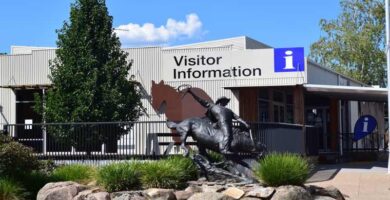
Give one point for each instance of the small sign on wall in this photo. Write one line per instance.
(28, 124)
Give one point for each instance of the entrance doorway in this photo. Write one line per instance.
(26, 132)
(319, 117)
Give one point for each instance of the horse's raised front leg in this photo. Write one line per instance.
(183, 137)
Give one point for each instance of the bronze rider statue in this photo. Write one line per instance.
(222, 119)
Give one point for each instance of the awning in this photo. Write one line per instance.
(348, 92)
(27, 87)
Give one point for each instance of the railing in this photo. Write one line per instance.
(369, 143)
(127, 140)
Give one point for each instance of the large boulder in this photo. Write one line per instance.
(329, 191)
(92, 194)
(183, 195)
(290, 192)
(234, 192)
(210, 196)
(159, 194)
(261, 192)
(128, 195)
(323, 198)
(60, 190)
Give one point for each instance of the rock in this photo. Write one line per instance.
(329, 191)
(234, 192)
(159, 194)
(323, 198)
(183, 195)
(334, 193)
(60, 190)
(213, 188)
(289, 192)
(209, 196)
(92, 194)
(128, 195)
(261, 192)
(249, 198)
(193, 189)
(99, 196)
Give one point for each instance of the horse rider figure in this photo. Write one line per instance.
(222, 119)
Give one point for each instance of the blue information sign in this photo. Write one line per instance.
(364, 126)
(289, 59)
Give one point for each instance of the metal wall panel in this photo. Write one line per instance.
(236, 43)
(322, 75)
(7, 101)
(254, 44)
(26, 69)
(26, 49)
(319, 75)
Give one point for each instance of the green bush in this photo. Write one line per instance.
(216, 157)
(4, 138)
(16, 159)
(34, 181)
(120, 176)
(173, 172)
(10, 190)
(47, 166)
(76, 172)
(283, 169)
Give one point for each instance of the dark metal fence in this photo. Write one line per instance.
(126, 140)
(369, 143)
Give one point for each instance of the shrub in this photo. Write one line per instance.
(10, 190)
(120, 176)
(16, 160)
(216, 157)
(47, 166)
(173, 172)
(34, 181)
(4, 138)
(78, 173)
(283, 169)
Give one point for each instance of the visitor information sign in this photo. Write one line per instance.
(234, 64)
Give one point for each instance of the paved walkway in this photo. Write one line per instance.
(357, 181)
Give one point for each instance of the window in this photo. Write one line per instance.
(278, 101)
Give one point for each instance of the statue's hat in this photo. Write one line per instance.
(222, 99)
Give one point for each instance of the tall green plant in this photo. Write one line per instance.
(90, 71)
(283, 169)
(120, 176)
(16, 160)
(10, 190)
(90, 74)
(354, 43)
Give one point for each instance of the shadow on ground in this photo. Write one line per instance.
(325, 172)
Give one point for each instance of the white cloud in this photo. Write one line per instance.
(148, 33)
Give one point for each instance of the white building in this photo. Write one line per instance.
(264, 84)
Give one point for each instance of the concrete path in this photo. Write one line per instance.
(357, 181)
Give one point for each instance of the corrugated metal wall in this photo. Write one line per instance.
(33, 69)
(24, 69)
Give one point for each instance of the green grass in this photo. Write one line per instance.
(120, 176)
(10, 190)
(283, 169)
(34, 181)
(173, 172)
(79, 173)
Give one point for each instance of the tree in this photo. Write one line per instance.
(354, 43)
(90, 72)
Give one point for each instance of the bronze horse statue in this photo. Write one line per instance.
(208, 137)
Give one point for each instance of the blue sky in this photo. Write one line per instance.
(279, 23)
